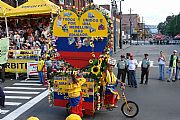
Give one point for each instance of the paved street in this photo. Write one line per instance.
(20, 96)
(159, 100)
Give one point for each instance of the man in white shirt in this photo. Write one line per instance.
(132, 65)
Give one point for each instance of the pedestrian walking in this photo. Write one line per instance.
(145, 69)
(178, 68)
(122, 68)
(2, 97)
(162, 62)
(173, 65)
(132, 65)
(41, 66)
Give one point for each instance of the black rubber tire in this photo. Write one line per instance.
(123, 108)
(68, 109)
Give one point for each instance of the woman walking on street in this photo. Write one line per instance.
(162, 62)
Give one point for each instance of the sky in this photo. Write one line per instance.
(152, 11)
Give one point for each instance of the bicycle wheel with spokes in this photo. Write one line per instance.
(130, 109)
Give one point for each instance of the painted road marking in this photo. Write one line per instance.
(28, 84)
(16, 113)
(3, 111)
(18, 97)
(20, 92)
(32, 81)
(12, 103)
(24, 88)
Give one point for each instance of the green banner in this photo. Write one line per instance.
(4, 47)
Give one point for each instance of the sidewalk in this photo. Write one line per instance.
(121, 51)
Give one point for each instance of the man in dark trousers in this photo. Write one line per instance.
(145, 69)
(127, 59)
(173, 65)
(122, 68)
(2, 97)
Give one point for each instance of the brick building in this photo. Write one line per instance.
(135, 20)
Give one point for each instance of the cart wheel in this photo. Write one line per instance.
(130, 112)
(68, 108)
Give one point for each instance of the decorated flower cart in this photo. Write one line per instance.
(84, 42)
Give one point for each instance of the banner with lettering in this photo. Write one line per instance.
(79, 37)
(4, 47)
(91, 24)
(17, 65)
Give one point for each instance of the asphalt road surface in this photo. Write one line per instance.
(159, 100)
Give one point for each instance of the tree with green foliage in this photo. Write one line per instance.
(171, 26)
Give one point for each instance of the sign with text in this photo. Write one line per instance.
(60, 85)
(17, 65)
(91, 24)
(32, 68)
(79, 36)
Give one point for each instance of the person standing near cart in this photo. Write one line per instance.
(75, 95)
(40, 69)
(132, 65)
(127, 72)
(122, 68)
(145, 69)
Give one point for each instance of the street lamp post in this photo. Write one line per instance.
(130, 28)
(114, 10)
(120, 26)
(17, 4)
(143, 30)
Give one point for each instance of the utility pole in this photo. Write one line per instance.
(130, 28)
(120, 27)
(114, 10)
(143, 30)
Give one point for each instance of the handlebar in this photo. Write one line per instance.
(122, 86)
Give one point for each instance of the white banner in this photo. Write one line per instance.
(32, 68)
(4, 47)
